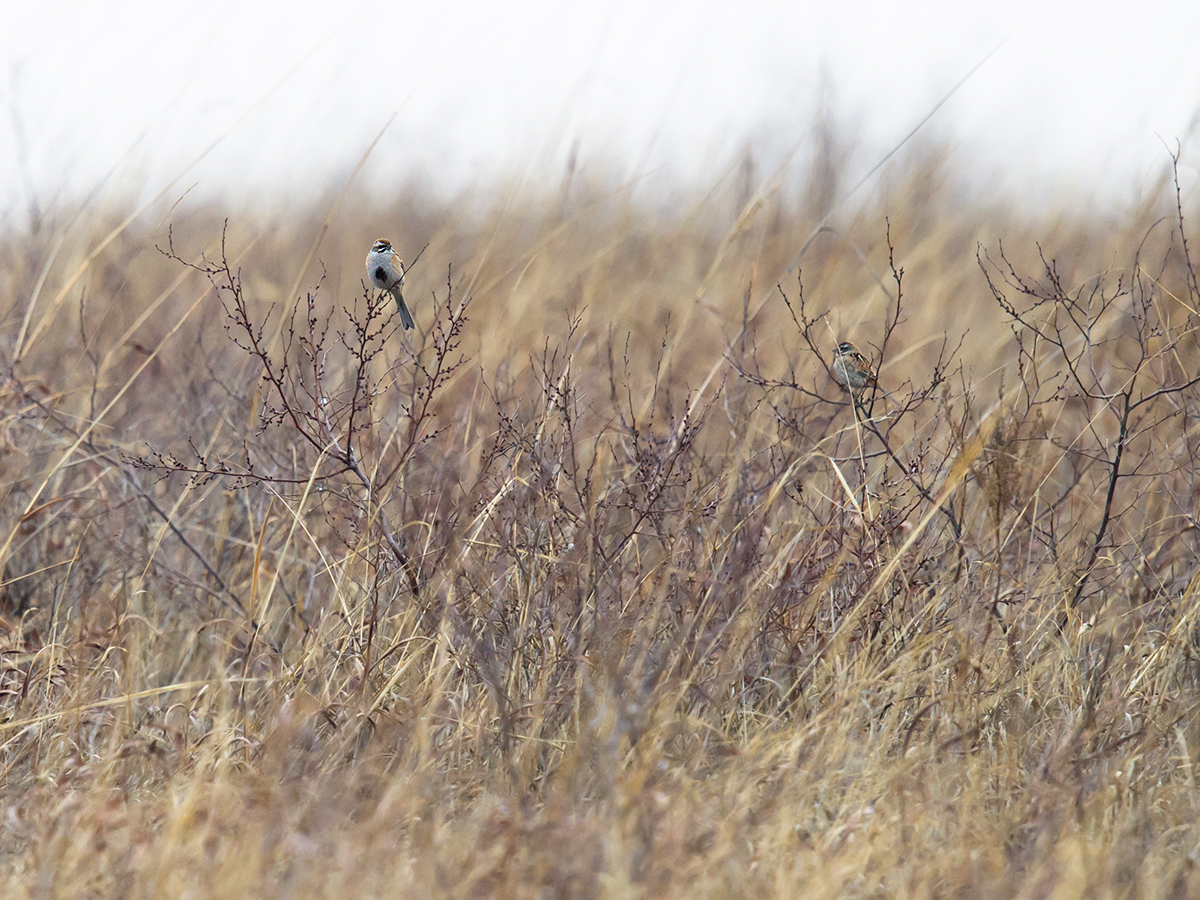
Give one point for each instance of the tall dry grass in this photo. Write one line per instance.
(597, 585)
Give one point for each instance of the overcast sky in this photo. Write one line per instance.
(1078, 94)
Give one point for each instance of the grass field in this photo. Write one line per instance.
(596, 584)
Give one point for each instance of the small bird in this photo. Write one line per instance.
(851, 369)
(386, 271)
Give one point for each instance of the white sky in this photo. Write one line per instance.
(1079, 94)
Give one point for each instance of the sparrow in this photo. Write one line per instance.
(385, 269)
(851, 369)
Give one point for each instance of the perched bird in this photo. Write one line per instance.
(386, 271)
(851, 369)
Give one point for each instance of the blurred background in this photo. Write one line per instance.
(265, 98)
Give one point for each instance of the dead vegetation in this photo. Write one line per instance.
(597, 585)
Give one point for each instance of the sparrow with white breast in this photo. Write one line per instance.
(385, 269)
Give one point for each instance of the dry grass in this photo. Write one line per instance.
(629, 600)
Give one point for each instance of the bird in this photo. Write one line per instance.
(851, 369)
(385, 269)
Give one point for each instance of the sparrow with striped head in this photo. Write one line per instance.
(385, 269)
(851, 369)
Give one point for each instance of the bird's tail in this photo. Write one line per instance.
(406, 318)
